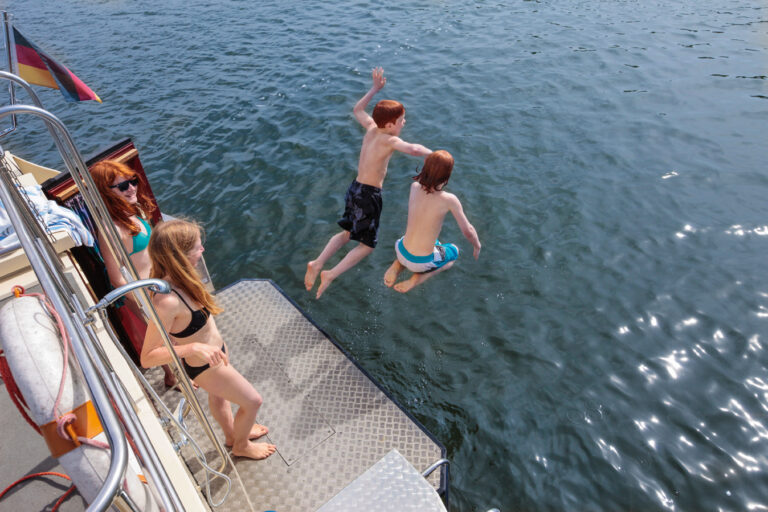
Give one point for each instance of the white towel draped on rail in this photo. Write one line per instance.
(53, 215)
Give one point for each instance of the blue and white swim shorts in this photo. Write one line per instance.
(441, 255)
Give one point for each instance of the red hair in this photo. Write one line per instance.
(436, 171)
(104, 174)
(387, 111)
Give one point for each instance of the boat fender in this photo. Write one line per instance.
(32, 346)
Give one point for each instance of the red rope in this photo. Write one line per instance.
(10, 383)
(44, 473)
(14, 392)
(63, 497)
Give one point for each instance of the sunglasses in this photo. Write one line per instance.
(123, 185)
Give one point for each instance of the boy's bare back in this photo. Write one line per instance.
(374, 157)
(426, 213)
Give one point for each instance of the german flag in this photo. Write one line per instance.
(36, 67)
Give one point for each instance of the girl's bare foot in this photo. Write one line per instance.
(392, 272)
(255, 451)
(325, 282)
(311, 275)
(256, 432)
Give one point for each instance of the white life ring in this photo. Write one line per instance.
(33, 349)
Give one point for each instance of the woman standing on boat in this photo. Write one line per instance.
(186, 313)
(128, 204)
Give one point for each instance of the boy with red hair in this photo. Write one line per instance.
(363, 201)
(419, 250)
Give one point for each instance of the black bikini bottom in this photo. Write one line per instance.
(194, 371)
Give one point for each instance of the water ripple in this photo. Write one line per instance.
(606, 352)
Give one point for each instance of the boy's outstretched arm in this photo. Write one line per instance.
(359, 111)
(408, 148)
(467, 229)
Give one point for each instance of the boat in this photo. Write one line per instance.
(343, 442)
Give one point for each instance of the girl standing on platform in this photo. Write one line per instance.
(187, 313)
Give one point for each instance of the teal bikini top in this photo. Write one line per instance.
(141, 239)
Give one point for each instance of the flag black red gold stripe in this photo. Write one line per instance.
(37, 67)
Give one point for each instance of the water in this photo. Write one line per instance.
(606, 351)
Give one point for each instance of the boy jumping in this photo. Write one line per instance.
(419, 250)
(363, 201)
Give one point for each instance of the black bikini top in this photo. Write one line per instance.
(198, 321)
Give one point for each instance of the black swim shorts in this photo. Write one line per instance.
(362, 210)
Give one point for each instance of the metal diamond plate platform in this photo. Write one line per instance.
(390, 485)
(329, 421)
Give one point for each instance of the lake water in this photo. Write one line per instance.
(607, 351)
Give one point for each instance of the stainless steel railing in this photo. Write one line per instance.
(34, 245)
(47, 267)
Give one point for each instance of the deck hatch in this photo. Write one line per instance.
(295, 424)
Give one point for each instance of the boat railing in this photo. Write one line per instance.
(43, 258)
(34, 243)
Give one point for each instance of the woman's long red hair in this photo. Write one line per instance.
(104, 174)
(168, 247)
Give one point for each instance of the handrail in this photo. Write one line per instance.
(14, 79)
(434, 466)
(48, 270)
(79, 172)
(9, 54)
(155, 285)
(112, 427)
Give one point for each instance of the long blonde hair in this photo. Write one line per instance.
(168, 247)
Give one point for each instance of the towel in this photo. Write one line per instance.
(53, 215)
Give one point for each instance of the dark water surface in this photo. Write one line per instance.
(606, 351)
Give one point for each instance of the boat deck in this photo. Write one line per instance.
(329, 420)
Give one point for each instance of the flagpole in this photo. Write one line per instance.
(10, 52)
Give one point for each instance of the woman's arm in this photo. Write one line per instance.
(154, 352)
(113, 269)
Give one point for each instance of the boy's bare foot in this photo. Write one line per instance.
(256, 432)
(325, 282)
(392, 272)
(256, 451)
(406, 286)
(311, 275)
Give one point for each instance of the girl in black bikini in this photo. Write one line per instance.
(187, 315)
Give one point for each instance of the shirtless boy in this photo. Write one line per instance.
(419, 250)
(363, 201)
